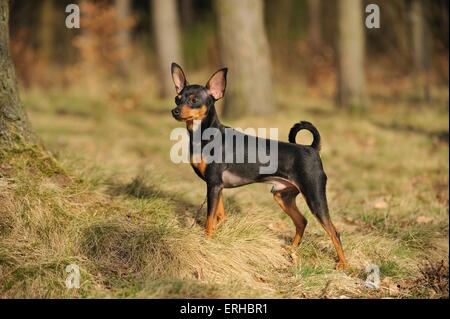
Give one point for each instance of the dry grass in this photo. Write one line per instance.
(118, 208)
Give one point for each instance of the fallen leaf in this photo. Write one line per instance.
(260, 278)
(380, 203)
(424, 219)
(294, 257)
(198, 274)
(391, 286)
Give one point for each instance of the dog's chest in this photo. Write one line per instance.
(199, 167)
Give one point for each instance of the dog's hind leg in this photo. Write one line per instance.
(315, 196)
(286, 199)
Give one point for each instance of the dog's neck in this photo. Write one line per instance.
(211, 120)
(197, 128)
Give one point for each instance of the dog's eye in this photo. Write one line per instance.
(193, 100)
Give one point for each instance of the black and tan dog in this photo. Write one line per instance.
(299, 168)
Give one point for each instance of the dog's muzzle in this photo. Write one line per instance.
(176, 113)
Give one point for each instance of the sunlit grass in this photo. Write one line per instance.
(114, 204)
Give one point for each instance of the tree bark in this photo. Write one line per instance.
(420, 48)
(14, 125)
(351, 51)
(167, 35)
(245, 50)
(123, 8)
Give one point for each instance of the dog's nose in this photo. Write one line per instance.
(176, 111)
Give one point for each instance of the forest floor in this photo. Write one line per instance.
(116, 206)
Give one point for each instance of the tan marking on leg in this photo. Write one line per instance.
(331, 231)
(220, 210)
(212, 218)
(286, 200)
(210, 225)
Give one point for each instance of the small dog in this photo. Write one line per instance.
(299, 167)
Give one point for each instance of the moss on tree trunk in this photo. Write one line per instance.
(14, 125)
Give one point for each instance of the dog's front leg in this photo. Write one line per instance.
(214, 195)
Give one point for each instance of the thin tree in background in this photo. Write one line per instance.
(46, 30)
(316, 49)
(14, 123)
(314, 28)
(420, 47)
(167, 35)
(123, 9)
(245, 50)
(351, 52)
(279, 29)
(187, 12)
(397, 43)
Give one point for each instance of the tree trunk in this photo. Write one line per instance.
(123, 8)
(245, 50)
(351, 47)
(167, 35)
(187, 12)
(14, 125)
(314, 28)
(279, 17)
(46, 34)
(396, 13)
(420, 48)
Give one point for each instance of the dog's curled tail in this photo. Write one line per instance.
(303, 125)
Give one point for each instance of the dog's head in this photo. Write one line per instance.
(194, 101)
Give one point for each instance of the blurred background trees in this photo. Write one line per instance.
(166, 27)
(46, 32)
(123, 9)
(314, 26)
(351, 51)
(322, 46)
(245, 50)
(420, 40)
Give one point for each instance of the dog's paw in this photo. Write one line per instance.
(341, 265)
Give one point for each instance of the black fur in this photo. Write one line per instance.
(299, 169)
(303, 125)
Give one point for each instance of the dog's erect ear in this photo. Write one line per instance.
(217, 83)
(178, 77)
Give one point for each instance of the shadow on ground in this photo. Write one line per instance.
(140, 188)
